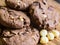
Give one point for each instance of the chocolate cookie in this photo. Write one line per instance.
(19, 4)
(25, 36)
(13, 19)
(44, 16)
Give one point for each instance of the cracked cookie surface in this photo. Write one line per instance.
(19, 4)
(25, 36)
(13, 19)
(44, 15)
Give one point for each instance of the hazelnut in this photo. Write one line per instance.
(21, 18)
(11, 17)
(44, 40)
(43, 32)
(56, 33)
(50, 36)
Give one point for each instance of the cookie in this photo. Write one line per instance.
(25, 36)
(19, 4)
(13, 19)
(44, 15)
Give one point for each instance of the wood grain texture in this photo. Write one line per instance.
(55, 4)
(2, 3)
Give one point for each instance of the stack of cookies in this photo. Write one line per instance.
(21, 21)
(16, 29)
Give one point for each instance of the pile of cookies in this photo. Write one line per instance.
(22, 20)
